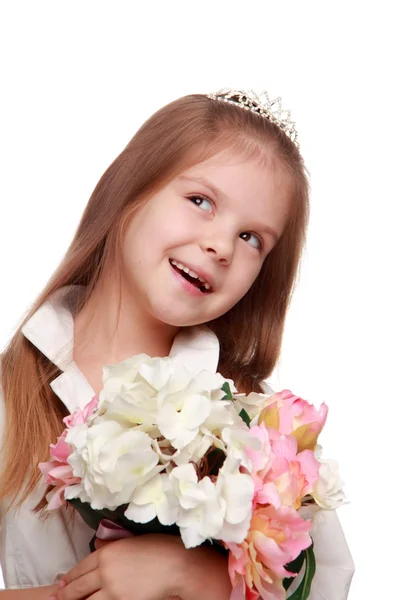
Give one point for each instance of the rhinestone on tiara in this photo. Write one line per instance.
(260, 104)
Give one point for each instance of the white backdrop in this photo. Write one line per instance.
(78, 78)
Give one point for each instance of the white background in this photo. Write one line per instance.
(78, 79)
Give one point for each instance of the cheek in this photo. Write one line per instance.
(180, 216)
(241, 281)
(143, 237)
(247, 272)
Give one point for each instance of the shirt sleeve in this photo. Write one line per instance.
(334, 566)
(334, 563)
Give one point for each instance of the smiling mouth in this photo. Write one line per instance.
(191, 276)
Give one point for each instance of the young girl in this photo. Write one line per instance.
(190, 245)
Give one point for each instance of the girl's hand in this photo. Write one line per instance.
(101, 543)
(205, 576)
(148, 567)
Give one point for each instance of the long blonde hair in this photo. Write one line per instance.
(176, 137)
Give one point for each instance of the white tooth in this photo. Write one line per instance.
(190, 272)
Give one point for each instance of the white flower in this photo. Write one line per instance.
(165, 451)
(185, 482)
(201, 511)
(112, 462)
(154, 499)
(212, 382)
(185, 404)
(237, 440)
(159, 396)
(222, 414)
(130, 390)
(133, 408)
(180, 421)
(195, 450)
(253, 404)
(182, 382)
(328, 492)
(154, 414)
(140, 370)
(237, 491)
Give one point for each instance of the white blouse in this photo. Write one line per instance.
(34, 552)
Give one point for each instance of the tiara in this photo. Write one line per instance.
(260, 104)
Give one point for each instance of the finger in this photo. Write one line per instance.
(88, 564)
(101, 595)
(80, 588)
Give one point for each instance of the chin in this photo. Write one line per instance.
(180, 320)
(177, 314)
(177, 318)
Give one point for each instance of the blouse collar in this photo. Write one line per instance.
(51, 330)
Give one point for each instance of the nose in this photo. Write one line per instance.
(220, 247)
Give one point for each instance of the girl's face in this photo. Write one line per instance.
(218, 220)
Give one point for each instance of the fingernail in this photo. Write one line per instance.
(61, 583)
(52, 598)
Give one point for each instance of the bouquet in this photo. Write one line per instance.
(163, 450)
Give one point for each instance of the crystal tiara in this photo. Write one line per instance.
(260, 104)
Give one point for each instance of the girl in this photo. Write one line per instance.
(190, 244)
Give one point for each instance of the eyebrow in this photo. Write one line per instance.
(219, 193)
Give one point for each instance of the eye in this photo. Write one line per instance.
(202, 202)
(252, 239)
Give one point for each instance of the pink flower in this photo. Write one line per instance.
(57, 472)
(260, 465)
(60, 476)
(294, 474)
(61, 450)
(291, 415)
(79, 417)
(260, 459)
(280, 475)
(257, 566)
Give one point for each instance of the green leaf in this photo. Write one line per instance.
(303, 591)
(294, 567)
(91, 516)
(245, 417)
(228, 394)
